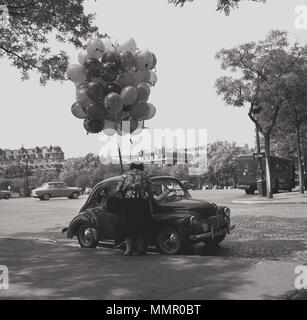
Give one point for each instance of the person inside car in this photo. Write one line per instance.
(161, 192)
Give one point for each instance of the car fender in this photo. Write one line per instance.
(177, 221)
(89, 216)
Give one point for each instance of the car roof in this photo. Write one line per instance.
(116, 179)
(53, 182)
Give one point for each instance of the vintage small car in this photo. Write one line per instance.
(5, 194)
(54, 190)
(179, 220)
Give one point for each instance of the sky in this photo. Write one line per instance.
(185, 41)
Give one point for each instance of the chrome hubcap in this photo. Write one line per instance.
(88, 235)
(170, 241)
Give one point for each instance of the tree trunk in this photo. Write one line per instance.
(299, 160)
(268, 167)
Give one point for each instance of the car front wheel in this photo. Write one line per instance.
(6, 197)
(86, 237)
(169, 240)
(45, 197)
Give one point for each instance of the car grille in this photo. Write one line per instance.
(214, 221)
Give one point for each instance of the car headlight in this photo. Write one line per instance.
(194, 221)
(204, 227)
(227, 212)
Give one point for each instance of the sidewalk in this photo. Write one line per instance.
(279, 198)
(51, 271)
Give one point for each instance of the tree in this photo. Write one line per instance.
(180, 171)
(293, 113)
(33, 23)
(261, 69)
(222, 5)
(222, 158)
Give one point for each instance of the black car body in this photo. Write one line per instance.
(178, 221)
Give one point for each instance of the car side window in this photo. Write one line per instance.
(99, 198)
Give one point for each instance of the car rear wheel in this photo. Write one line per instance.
(86, 237)
(169, 240)
(7, 196)
(75, 195)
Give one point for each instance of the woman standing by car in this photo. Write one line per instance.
(135, 220)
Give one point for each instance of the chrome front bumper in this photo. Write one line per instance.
(212, 234)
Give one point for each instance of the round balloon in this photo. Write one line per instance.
(75, 73)
(139, 111)
(109, 128)
(113, 102)
(81, 94)
(125, 44)
(126, 79)
(114, 117)
(125, 60)
(95, 90)
(108, 45)
(93, 126)
(143, 91)
(143, 60)
(82, 56)
(141, 76)
(77, 111)
(110, 56)
(139, 129)
(91, 67)
(129, 95)
(100, 80)
(95, 110)
(109, 71)
(153, 78)
(154, 61)
(151, 112)
(129, 126)
(95, 48)
(112, 87)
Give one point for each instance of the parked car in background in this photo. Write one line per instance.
(179, 220)
(55, 190)
(189, 185)
(5, 194)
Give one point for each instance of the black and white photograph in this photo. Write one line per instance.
(153, 151)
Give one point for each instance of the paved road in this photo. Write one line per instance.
(266, 237)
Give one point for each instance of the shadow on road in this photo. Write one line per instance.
(39, 270)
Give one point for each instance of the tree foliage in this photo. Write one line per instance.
(262, 72)
(33, 23)
(222, 160)
(222, 5)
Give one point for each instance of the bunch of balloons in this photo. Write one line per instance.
(113, 83)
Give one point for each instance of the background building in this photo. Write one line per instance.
(38, 158)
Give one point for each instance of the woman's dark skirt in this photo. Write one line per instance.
(135, 219)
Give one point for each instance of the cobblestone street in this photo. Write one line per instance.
(273, 238)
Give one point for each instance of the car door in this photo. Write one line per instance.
(50, 189)
(109, 220)
(64, 191)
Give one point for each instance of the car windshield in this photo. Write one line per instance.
(167, 190)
